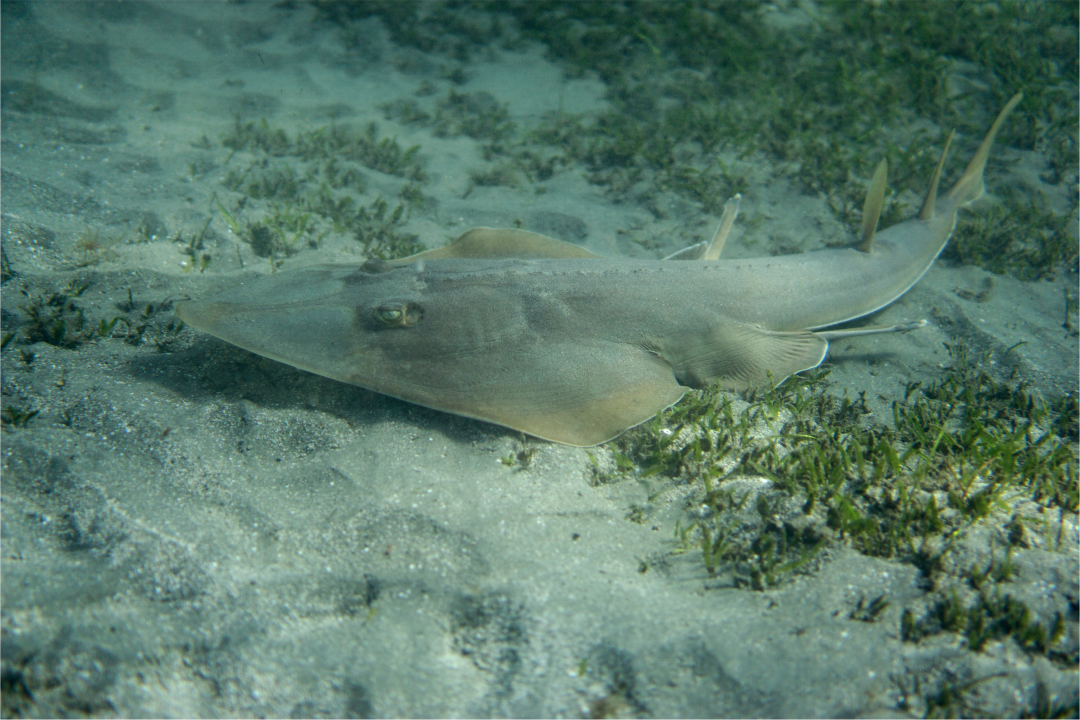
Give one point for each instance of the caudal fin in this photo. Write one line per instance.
(970, 186)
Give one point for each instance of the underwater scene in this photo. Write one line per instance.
(532, 358)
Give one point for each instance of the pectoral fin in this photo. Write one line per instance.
(738, 355)
(578, 393)
(505, 244)
(587, 392)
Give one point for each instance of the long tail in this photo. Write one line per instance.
(970, 186)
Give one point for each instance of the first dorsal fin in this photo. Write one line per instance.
(691, 252)
(875, 198)
(711, 250)
(504, 244)
(731, 211)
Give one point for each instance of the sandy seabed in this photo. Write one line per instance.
(203, 532)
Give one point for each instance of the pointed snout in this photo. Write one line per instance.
(306, 318)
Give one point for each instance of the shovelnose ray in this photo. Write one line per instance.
(547, 338)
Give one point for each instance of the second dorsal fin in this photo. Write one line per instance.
(875, 198)
(927, 210)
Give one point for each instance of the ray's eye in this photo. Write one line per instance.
(399, 314)
(389, 315)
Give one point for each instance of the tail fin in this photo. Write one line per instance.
(970, 186)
